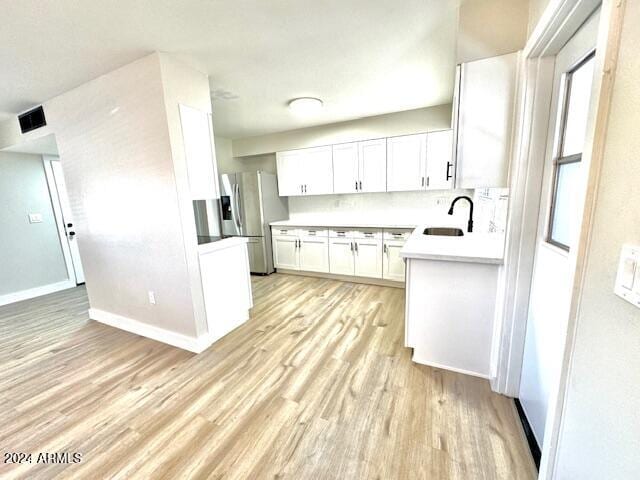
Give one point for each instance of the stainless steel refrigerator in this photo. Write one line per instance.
(249, 202)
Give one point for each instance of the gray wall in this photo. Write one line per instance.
(30, 254)
(600, 436)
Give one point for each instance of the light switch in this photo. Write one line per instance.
(35, 218)
(628, 277)
(628, 273)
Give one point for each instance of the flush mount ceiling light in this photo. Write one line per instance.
(305, 105)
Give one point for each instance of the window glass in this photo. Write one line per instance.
(564, 208)
(577, 109)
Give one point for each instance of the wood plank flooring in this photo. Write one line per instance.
(317, 385)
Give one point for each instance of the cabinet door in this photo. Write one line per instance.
(368, 258)
(290, 179)
(345, 168)
(440, 164)
(373, 165)
(392, 263)
(285, 252)
(317, 171)
(406, 162)
(199, 153)
(314, 254)
(485, 121)
(341, 256)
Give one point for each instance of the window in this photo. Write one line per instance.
(568, 158)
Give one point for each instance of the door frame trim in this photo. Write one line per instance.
(57, 213)
(559, 22)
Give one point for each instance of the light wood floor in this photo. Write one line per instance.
(317, 385)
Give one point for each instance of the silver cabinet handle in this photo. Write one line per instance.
(360, 185)
(449, 165)
(356, 245)
(422, 182)
(385, 248)
(356, 185)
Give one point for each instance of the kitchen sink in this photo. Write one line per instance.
(443, 231)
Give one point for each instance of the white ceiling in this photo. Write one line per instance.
(361, 57)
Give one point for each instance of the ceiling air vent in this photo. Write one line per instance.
(32, 119)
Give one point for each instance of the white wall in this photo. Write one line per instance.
(599, 437)
(228, 164)
(115, 146)
(30, 254)
(488, 28)
(399, 123)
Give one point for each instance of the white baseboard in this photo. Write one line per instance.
(416, 358)
(8, 298)
(185, 342)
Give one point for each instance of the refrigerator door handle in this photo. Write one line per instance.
(236, 194)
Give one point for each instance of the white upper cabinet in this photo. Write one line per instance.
(197, 136)
(289, 180)
(440, 166)
(345, 168)
(372, 165)
(406, 160)
(360, 166)
(308, 171)
(317, 171)
(486, 99)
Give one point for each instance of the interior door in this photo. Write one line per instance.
(373, 165)
(405, 162)
(550, 294)
(345, 168)
(440, 166)
(368, 258)
(69, 224)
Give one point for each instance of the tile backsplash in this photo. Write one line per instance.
(404, 207)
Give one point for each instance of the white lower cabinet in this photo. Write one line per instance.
(369, 252)
(341, 259)
(285, 252)
(314, 254)
(393, 266)
(392, 263)
(368, 257)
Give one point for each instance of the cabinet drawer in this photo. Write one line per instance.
(396, 234)
(373, 233)
(313, 232)
(340, 233)
(282, 231)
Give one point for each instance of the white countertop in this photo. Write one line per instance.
(472, 247)
(221, 244)
(315, 222)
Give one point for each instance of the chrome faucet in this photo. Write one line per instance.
(470, 223)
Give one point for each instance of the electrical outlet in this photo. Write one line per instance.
(152, 297)
(441, 201)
